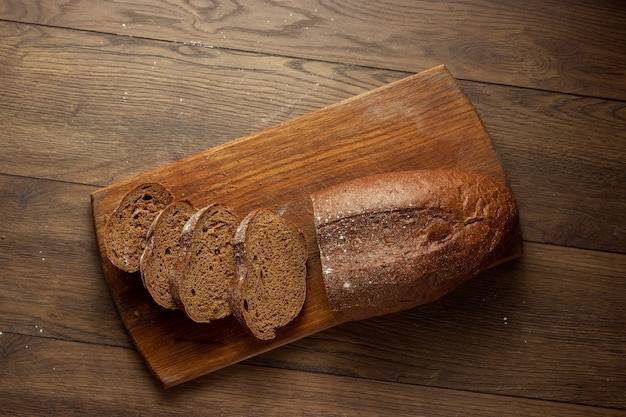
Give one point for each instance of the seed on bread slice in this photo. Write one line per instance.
(200, 279)
(162, 249)
(270, 286)
(127, 227)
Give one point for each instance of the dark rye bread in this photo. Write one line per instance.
(162, 249)
(200, 278)
(393, 241)
(127, 227)
(270, 286)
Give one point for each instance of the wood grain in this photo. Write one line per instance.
(103, 137)
(113, 373)
(564, 156)
(91, 94)
(542, 45)
(122, 113)
(46, 249)
(543, 301)
(542, 326)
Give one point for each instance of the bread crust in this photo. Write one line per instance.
(148, 256)
(393, 241)
(185, 251)
(236, 287)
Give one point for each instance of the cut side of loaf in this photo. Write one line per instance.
(270, 286)
(200, 279)
(127, 227)
(162, 249)
(394, 241)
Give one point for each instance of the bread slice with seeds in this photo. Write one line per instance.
(270, 286)
(127, 227)
(200, 279)
(162, 249)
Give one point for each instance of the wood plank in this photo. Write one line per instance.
(579, 49)
(557, 299)
(52, 284)
(60, 378)
(59, 121)
(549, 325)
(564, 156)
(101, 137)
(423, 121)
(131, 105)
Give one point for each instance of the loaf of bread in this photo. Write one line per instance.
(162, 249)
(269, 288)
(200, 279)
(127, 227)
(393, 241)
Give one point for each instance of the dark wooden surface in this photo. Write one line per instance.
(94, 92)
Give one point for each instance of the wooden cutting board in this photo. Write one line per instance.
(423, 121)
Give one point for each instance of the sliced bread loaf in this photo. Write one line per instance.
(270, 286)
(394, 241)
(127, 227)
(200, 279)
(162, 249)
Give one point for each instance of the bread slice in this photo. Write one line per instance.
(394, 241)
(127, 227)
(270, 287)
(200, 279)
(162, 249)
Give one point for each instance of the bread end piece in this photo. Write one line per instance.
(269, 289)
(394, 241)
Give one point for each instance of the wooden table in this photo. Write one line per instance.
(95, 92)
